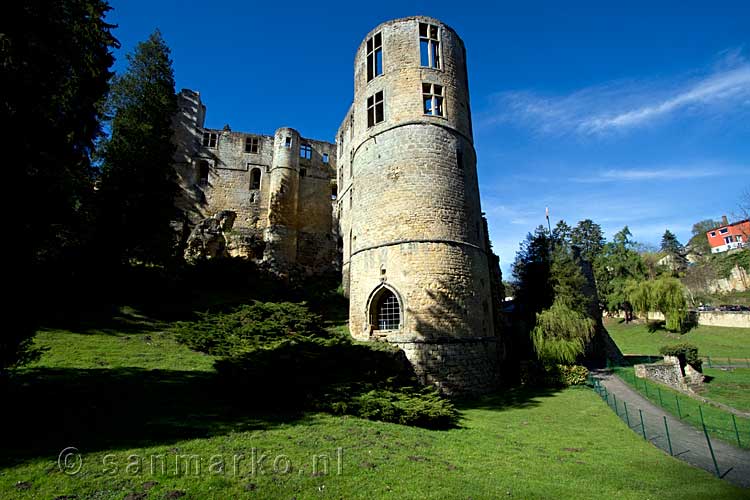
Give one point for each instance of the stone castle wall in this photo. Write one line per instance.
(396, 207)
(293, 196)
(410, 214)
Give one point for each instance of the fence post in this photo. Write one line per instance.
(614, 399)
(627, 417)
(736, 432)
(661, 403)
(709, 361)
(645, 386)
(679, 412)
(700, 410)
(643, 427)
(669, 441)
(711, 449)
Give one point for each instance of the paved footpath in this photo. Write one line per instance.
(688, 442)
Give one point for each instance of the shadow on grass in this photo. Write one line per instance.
(47, 410)
(509, 398)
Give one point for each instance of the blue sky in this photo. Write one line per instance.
(636, 114)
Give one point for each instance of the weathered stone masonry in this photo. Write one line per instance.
(397, 201)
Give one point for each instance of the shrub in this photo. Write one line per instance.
(408, 406)
(687, 354)
(573, 374)
(260, 324)
(536, 374)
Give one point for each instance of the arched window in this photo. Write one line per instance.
(203, 173)
(386, 311)
(255, 178)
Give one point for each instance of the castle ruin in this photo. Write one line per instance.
(393, 203)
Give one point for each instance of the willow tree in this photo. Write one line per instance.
(561, 333)
(664, 295)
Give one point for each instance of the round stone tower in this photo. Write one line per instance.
(280, 234)
(415, 252)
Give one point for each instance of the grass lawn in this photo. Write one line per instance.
(134, 399)
(718, 422)
(715, 341)
(728, 386)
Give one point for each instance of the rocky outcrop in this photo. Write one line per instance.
(208, 240)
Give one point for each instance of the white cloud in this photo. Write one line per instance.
(621, 106)
(651, 174)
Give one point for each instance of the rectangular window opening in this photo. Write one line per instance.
(303, 172)
(374, 56)
(305, 151)
(252, 144)
(325, 158)
(288, 143)
(432, 98)
(429, 45)
(375, 113)
(210, 139)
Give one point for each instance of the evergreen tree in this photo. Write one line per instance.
(55, 57)
(561, 233)
(670, 245)
(138, 183)
(531, 271)
(588, 236)
(615, 268)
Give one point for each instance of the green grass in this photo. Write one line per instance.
(728, 386)
(718, 421)
(714, 341)
(122, 398)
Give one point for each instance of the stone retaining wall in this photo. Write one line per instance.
(733, 319)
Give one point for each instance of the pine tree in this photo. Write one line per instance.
(55, 57)
(138, 183)
(588, 236)
(670, 245)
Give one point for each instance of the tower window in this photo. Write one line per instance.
(288, 143)
(303, 172)
(305, 151)
(387, 311)
(460, 158)
(374, 56)
(375, 109)
(210, 139)
(334, 192)
(203, 173)
(252, 144)
(429, 45)
(432, 98)
(325, 157)
(255, 178)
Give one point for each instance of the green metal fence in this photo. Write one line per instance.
(718, 423)
(657, 432)
(655, 428)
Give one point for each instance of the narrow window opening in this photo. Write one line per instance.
(432, 98)
(325, 158)
(203, 173)
(303, 172)
(255, 178)
(334, 192)
(288, 143)
(305, 151)
(374, 56)
(375, 109)
(460, 159)
(252, 144)
(429, 45)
